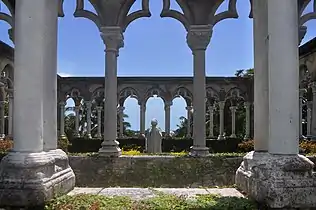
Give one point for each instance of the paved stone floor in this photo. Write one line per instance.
(141, 193)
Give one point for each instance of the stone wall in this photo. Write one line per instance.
(154, 171)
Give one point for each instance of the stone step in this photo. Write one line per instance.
(143, 193)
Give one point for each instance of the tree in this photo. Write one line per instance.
(245, 73)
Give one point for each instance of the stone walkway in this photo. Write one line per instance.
(142, 193)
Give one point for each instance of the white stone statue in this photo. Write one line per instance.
(153, 138)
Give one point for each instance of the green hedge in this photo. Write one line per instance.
(82, 145)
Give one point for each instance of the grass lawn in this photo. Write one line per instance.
(160, 202)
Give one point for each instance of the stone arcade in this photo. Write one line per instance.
(34, 171)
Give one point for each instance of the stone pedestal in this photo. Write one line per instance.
(279, 181)
(30, 179)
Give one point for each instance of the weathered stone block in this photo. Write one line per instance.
(31, 179)
(279, 181)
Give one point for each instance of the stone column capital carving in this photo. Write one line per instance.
(211, 109)
(99, 108)
(113, 38)
(233, 108)
(221, 105)
(189, 108)
(199, 36)
(247, 105)
(121, 109)
(168, 104)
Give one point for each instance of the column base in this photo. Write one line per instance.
(199, 151)
(31, 179)
(278, 181)
(233, 136)
(110, 149)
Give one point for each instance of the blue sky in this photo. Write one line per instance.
(154, 47)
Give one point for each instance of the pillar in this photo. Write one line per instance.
(211, 123)
(113, 40)
(189, 114)
(261, 65)
(233, 111)
(77, 120)
(309, 118)
(221, 105)
(168, 105)
(89, 105)
(2, 119)
(99, 112)
(313, 126)
(247, 106)
(283, 63)
(10, 121)
(198, 38)
(280, 179)
(142, 110)
(27, 169)
(62, 105)
(121, 120)
(301, 92)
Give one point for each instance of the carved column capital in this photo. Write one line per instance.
(113, 38)
(99, 108)
(199, 36)
(247, 105)
(221, 105)
(211, 109)
(233, 108)
(168, 104)
(189, 108)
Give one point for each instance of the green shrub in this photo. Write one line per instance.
(6, 145)
(63, 143)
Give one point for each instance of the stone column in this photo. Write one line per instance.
(121, 119)
(233, 111)
(27, 169)
(247, 106)
(313, 127)
(309, 117)
(261, 65)
(113, 40)
(189, 113)
(77, 109)
(283, 63)
(221, 105)
(198, 38)
(281, 179)
(2, 119)
(10, 121)
(89, 105)
(168, 105)
(211, 113)
(99, 112)
(302, 91)
(62, 105)
(142, 109)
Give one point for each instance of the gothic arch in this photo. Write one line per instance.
(184, 93)
(98, 96)
(127, 92)
(212, 95)
(154, 91)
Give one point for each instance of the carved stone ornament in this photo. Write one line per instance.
(112, 37)
(199, 36)
(112, 12)
(199, 12)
